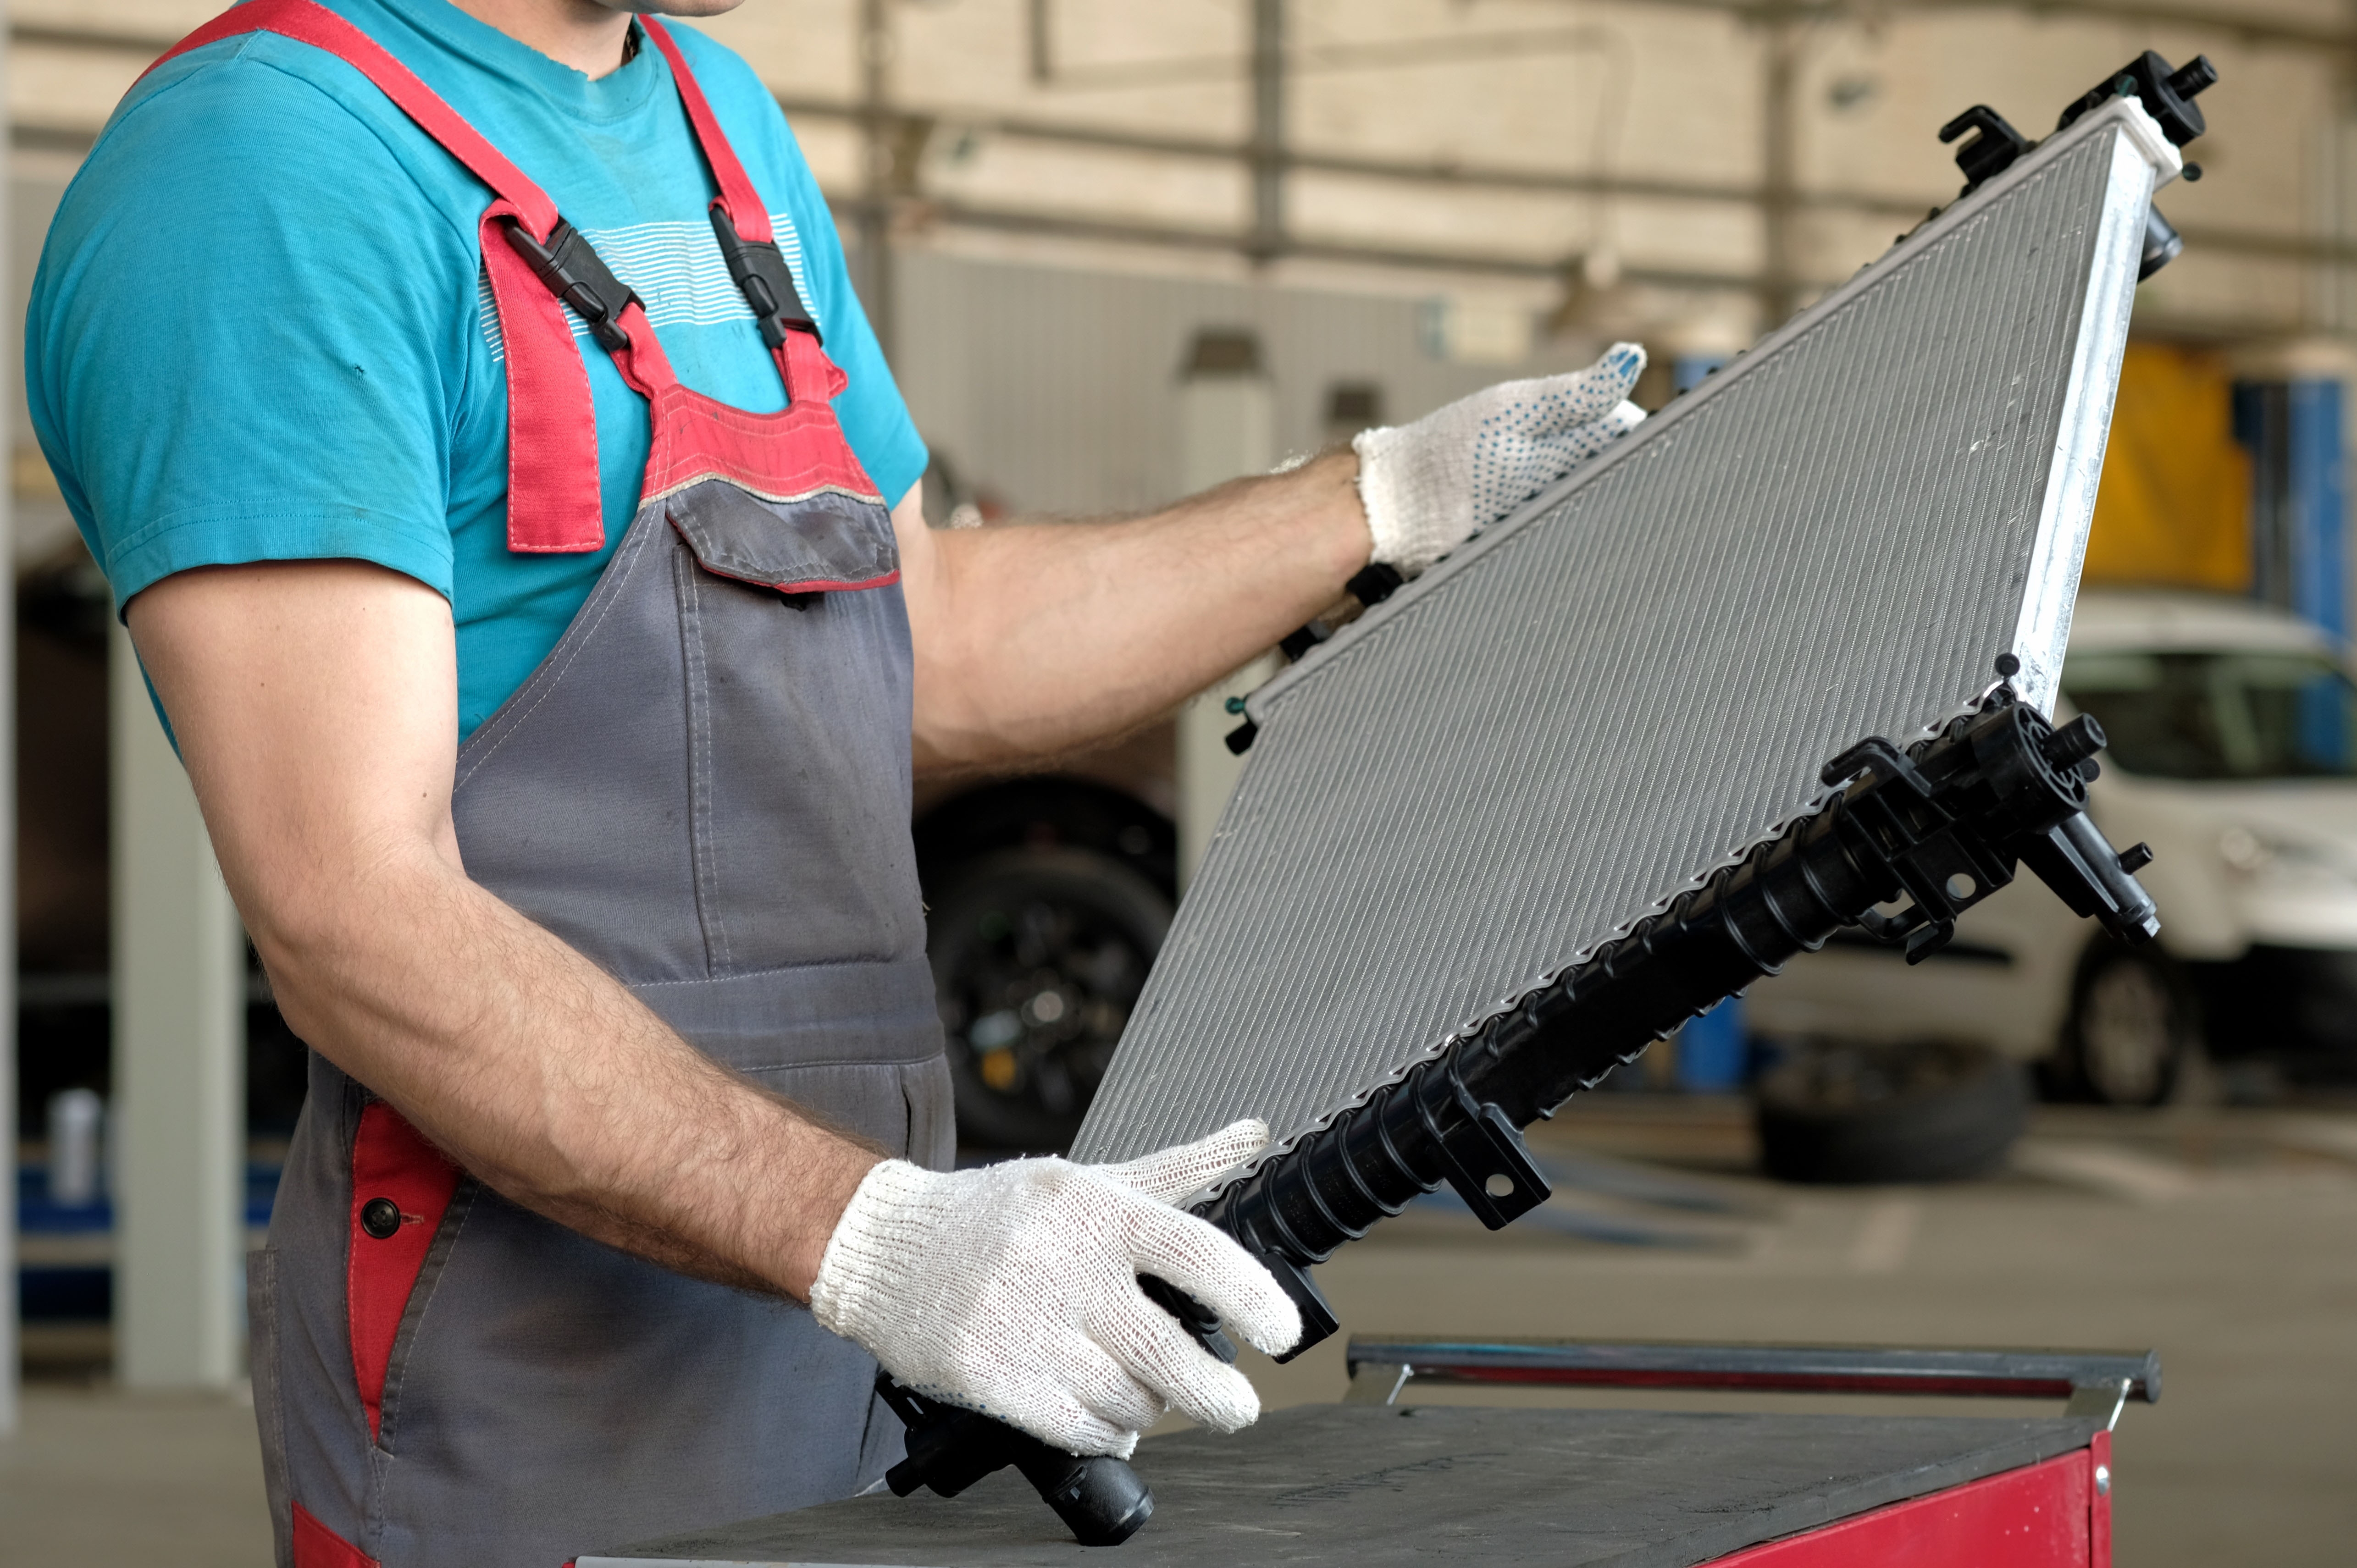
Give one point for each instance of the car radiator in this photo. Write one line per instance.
(1572, 785)
(1637, 677)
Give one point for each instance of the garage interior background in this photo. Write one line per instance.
(1120, 253)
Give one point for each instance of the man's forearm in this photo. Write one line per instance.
(1035, 639)
(316, 707)
(546, 1078)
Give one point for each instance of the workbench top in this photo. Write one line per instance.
(1366, 1486)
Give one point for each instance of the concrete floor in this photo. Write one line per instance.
(2227, 1239)
(102, 1479)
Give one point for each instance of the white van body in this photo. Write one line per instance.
(2255, 868)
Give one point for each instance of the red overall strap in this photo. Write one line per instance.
(737, 196)
(800, 362)
(553, 504)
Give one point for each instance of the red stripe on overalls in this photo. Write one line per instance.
(402, 1186)
(317, 1546)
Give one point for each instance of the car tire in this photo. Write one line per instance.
(2133, 1026)
(1038, 956)
(1861, 1113)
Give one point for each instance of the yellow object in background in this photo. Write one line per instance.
(2174, 510)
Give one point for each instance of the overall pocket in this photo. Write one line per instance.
(798, 692)
(822, 543)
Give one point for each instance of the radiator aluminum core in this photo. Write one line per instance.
(1637, 677)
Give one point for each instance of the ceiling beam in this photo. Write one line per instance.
(1492, 176)
(2247, 26)
(1242, 241)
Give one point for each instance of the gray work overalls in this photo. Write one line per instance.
(705, 788)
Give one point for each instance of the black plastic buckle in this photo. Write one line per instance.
(764, 279)
(577, 276)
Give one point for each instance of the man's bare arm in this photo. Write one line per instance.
(316, 707)
(1033, 639)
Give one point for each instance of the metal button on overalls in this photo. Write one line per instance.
(705, 788)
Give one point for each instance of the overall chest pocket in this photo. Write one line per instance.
(797, 665)
(821, 543)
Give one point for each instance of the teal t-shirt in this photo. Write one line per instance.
(260, 331)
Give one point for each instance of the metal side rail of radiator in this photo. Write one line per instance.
(1934, 829)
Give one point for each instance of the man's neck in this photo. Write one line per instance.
(592, 39)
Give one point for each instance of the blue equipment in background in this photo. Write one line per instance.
(1715, 1051)
(2296, 432)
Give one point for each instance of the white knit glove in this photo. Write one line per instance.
(1012, 1290)
(1430, 486)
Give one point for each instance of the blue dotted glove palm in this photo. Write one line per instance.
(1430, 486)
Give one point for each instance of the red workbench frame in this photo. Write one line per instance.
(2054, 1514)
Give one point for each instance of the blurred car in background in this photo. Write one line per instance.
(1047, 898)
(2232, 731)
